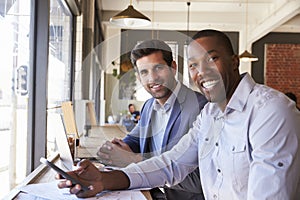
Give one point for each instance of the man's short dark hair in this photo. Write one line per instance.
(222, 38)
(148, 47)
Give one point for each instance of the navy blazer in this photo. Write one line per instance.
(187, 106)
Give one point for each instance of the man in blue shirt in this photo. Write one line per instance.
(245, 140)
(165, 117)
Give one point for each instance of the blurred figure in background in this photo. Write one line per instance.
(293, 97)
(135, 114)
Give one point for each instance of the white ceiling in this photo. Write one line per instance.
(264, 16)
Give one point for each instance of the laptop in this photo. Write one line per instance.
(62, 142)
(64, 148)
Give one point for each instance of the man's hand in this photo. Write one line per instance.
(89, 175)
(121, 144)
(97, 181)
(117, 153)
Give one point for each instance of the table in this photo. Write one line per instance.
(88, 147)
(96, 136)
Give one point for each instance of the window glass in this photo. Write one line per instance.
(59, 68)
(186, 77)
(14, 77)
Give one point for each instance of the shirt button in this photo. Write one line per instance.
(219, 170)
(233, 148)
(217, 144)
(206, 139)
(215, 196)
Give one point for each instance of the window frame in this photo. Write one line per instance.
(37, 103)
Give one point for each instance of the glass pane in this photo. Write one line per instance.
(14, 77)
(186, 76)
(59, 70)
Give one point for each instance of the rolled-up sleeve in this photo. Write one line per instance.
(169, 168)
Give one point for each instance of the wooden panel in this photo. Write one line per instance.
(92, 114)
(69, 118)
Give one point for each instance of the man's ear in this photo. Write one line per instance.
(174, 67)
(137, 75)
(236, 62)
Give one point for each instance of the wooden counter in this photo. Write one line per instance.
(88, 147)
(97, 136)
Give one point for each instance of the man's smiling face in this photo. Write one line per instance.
(212, 69)
(156, 76)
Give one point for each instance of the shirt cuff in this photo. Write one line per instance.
(134, 176)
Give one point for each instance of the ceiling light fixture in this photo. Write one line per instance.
(130, 17)
(188, 23)
(246, 56)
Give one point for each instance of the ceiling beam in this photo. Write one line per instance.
(286, 11)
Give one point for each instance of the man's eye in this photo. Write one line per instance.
(143, 73)
(159, 67)
(193, 65)
(212, 59)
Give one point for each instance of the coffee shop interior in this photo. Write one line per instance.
(70, 58)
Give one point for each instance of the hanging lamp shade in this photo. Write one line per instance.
(130, 17)
(248, 57)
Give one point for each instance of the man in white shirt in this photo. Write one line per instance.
(245, 140)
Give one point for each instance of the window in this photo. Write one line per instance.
(59, 64)
(14, 90)
(23, 99)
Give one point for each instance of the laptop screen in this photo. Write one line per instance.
(62, 141)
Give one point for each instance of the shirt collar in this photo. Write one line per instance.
(238, 100)
(170, 101)
(241, 93)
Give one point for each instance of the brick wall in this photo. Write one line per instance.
(283, 68)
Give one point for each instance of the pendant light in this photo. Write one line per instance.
(246, 56)
(188, 22)
(130, 17)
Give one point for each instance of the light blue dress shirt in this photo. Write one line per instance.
(249, 151)
(159, 120)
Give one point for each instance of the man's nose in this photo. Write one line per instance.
(202, 68)
(153, 75)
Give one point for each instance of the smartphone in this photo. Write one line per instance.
(63, 173)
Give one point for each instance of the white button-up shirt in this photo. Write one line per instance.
(249, 151)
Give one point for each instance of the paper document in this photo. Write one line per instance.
(51, 191)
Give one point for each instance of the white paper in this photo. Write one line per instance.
(51, 191)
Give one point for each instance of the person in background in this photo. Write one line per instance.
(128, 122)
(131, 119)
(165, 117)
(245, 140)
(135, 114)
(293, 97)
